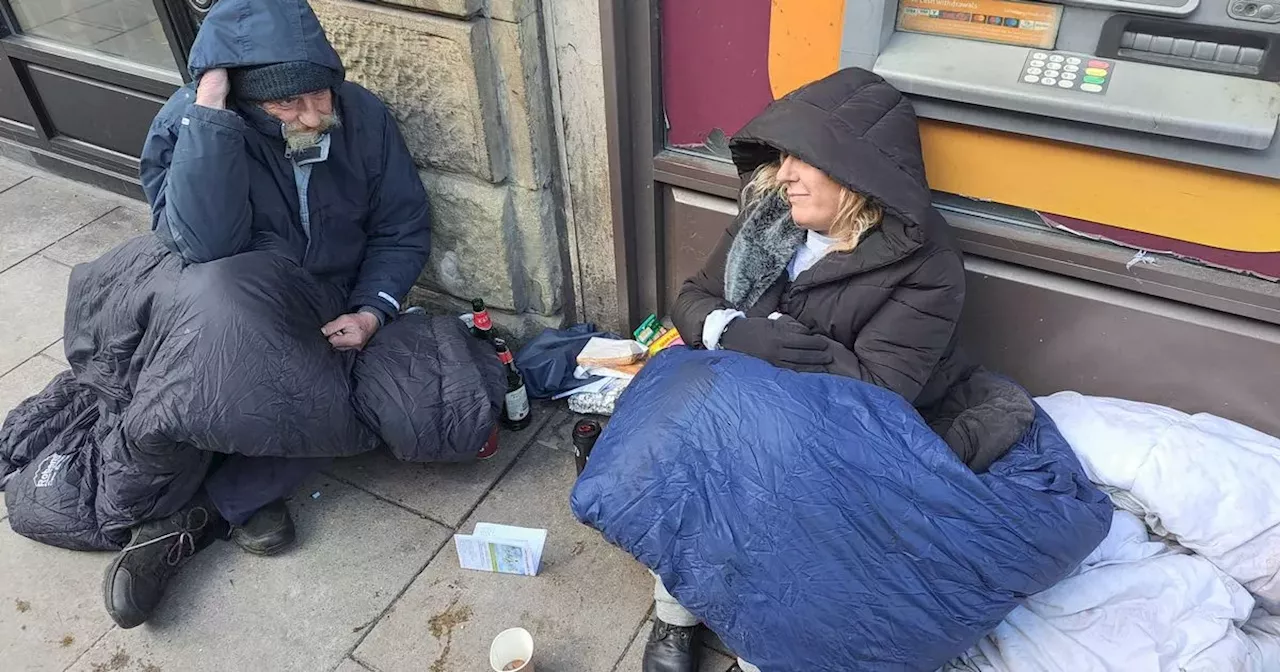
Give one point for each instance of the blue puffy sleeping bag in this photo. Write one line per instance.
(815, 522)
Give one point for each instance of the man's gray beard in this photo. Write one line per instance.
(297, 139)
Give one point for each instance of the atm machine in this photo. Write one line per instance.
(1154, 116)
(1186, 81)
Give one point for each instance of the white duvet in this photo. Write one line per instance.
(1189, 576)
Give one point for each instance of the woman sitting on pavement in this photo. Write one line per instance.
(839, 264)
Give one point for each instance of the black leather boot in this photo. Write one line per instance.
(268, 532)
(135, 581)
(671, 648)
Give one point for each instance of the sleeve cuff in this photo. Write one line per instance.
(376, 312)
(715, 324)
(225, 118)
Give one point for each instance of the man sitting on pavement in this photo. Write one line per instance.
(219, 363)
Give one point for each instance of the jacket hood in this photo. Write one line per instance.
(861, 132)
(240, 33)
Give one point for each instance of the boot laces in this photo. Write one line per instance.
(183, 543)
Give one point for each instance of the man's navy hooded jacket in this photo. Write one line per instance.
(219, 181)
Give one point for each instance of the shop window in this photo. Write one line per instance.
(723, 61)
(127, 29)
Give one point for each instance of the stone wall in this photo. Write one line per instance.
(577, 62)
(468, 82)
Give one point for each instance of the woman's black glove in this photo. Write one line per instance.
(782, 342)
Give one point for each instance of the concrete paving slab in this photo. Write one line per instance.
(711, 660)
(349, 665)
(26, 381)
(12, 173)
(582, 609)
(40, 211)
(92, 241)
(33, 295)
(442, 492)
(56, 353)
(50, 604)
(303, 610)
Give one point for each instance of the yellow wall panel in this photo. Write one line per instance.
(804, 42)
(1200, 205)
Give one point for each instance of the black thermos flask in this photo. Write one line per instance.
(585, 433)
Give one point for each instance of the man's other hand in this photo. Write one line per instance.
(351, 331)
(213, 89)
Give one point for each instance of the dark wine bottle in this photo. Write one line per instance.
(516, 413)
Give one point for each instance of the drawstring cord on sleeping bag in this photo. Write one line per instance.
(185, 547)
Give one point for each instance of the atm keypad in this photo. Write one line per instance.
(1063, 70)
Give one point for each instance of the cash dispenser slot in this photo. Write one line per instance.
(1178, 44)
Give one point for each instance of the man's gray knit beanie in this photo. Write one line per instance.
(278, 81)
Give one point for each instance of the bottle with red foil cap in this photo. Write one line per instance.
(481, 324)
(516, 413)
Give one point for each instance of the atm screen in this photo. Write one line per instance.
(1028, 24)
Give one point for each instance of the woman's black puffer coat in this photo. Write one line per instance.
(892, 305)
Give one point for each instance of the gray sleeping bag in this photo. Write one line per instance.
(171, 364)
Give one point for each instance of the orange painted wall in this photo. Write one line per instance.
(804, 42)
(1230, 211)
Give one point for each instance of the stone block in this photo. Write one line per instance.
(494, 242)
(539, 271)
(99, 237)
(435, 74)
(471, 94)
(521, 80)
(445, 493)
(578, 57)
(50, 604)
(303, 611)
(471, 254)
(512, 10)
(459, 9)
(583, 609)
(517, 328)
(502, 10)
(39, 211)
(32, 297)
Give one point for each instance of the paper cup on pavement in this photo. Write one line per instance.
(512, 646)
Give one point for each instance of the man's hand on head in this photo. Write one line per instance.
(213, 89)
(351, 331)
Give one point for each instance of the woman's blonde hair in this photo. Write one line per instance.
(855, 215)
